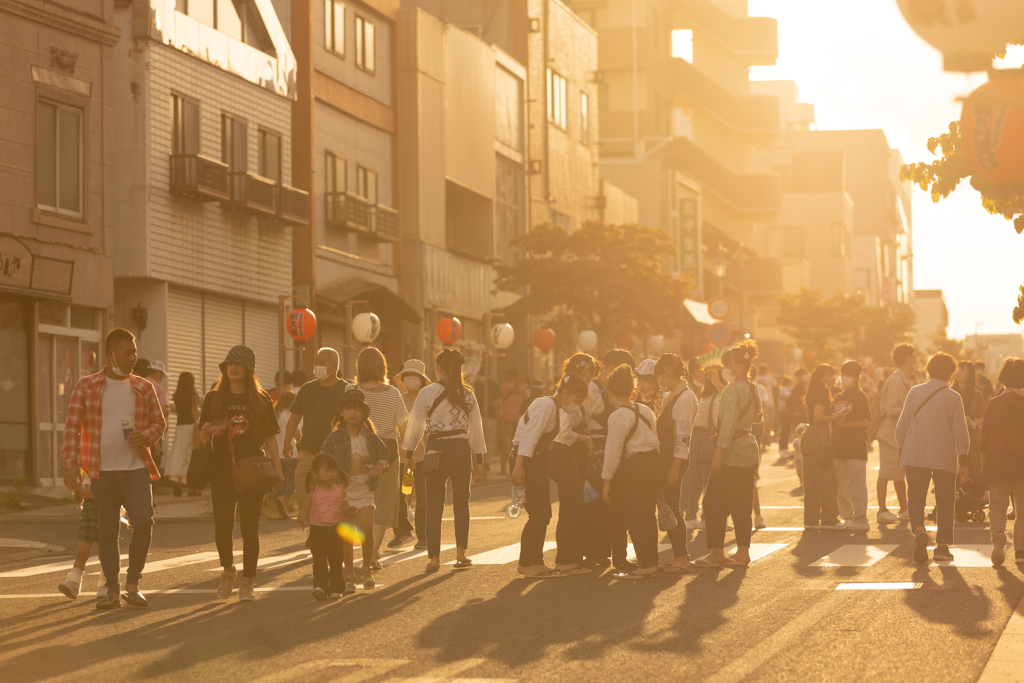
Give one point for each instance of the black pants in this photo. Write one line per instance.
(730, 492)
(224, 497)
(404, 527)
(538, 507)
(635, 491)
(918, 479)
(455, 463)
(568, 469)
(677, 537)
(597, 542)
(420, 513)
(820, 505)
(328, 554)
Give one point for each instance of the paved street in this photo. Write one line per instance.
(801, 611)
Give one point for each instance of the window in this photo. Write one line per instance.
(784, 242)
(584, 118)
(334, 27)
(838, 240)
(184, 125)
(561, 220)
(682, 44)
(556, 99)
(366, 45)
(234, 143)
(337, 176)
(366, 184)
(270, 156)
(59, 158)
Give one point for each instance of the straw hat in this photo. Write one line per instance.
(412, 366)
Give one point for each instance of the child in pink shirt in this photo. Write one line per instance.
(324, 509)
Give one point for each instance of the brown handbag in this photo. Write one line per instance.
(254, 475)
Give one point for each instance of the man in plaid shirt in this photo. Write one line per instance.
(113, 419)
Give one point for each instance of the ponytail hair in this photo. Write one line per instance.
(574, 386)
(320, 461)
(621, 383)
(454, 382)
(743, 355)
(672, 364)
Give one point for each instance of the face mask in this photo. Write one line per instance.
(116, 370)
(413, 383)
(847, 382)
(570, 407)
(320, 372)
(728, 376)
(662, 385)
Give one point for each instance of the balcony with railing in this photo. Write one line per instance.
(351, 213)
(292, 205)
(754, 38)
(748, 114)
(199, 177)
(253, 194)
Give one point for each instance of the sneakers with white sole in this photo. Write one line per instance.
(759, 522)
(998, 550)
(694, 525)
(838, 526)
(904, 516)
(101, 592)
(858, 526)
(70, 587)
(319, 594)
(227, 583)
(246, 593)
(921, 547)
(885, 517)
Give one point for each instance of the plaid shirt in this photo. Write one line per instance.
(84, 427)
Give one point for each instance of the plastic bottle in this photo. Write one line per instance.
(407, 483)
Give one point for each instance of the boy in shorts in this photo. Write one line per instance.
(88, 536)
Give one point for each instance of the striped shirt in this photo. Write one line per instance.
(387, 409)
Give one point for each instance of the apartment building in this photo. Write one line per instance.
(932, 319)
(56, 220)
(345, 127)
(203, 199)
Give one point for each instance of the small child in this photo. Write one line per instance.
(324, 509)
(88, 535)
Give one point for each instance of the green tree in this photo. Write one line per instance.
(945, 174)
(611, 278)
(842, 326)
(957, 348)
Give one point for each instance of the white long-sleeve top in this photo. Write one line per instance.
(539, 419)
(644, 440)
(595, 404)
(707, 412)
(683, 414)
(445, 417)
(567, 426)
(938, 434)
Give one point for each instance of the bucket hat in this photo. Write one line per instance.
(412, 366)
(354, 394)
(242, 355)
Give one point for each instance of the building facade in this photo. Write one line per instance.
(203, 200)
(932, 318)
(56, 220)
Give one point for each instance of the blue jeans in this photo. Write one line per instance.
(288, 467)
(130, 488)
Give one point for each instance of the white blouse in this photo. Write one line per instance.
(539, 419)
(445, 418)
(683, 413)
(644, 440)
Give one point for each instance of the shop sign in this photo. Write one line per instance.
(15, 263)
(21, 269)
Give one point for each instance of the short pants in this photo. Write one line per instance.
(889, 463)
(88, 529)
(358, 491)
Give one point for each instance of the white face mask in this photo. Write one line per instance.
(662, 385)
(570, 408)
(116, 370)
(847, 382)
(728, 376)
(320, 372)
(413, 382)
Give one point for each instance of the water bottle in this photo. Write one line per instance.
(407, 483)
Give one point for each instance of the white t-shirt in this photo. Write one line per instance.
(282, 423)
(118, 404)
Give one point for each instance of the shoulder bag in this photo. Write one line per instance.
(254, 475)
(200, 467)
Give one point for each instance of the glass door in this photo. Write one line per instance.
(14, 382)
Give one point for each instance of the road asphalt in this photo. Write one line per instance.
(790, 616)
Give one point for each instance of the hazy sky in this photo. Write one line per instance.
(862, 66)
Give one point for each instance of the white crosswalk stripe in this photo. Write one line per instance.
(757, 550)
(64, 566)
(855, 556)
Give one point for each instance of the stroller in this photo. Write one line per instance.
(969, 506)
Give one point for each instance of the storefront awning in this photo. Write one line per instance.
(381, 299)
(699, 311)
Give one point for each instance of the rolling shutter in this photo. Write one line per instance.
(222, 328)
(261, 335)
(184, 342)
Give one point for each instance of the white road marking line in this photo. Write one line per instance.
(411, 554)
(185, 591)
(66, 565)
(907, 585)
(18, 543)
(271, 561)
(968, 556)
(757, 550)
(855, 556)
(503, 555)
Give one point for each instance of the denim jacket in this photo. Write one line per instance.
(339, 444)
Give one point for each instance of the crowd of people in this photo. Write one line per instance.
(635, 450)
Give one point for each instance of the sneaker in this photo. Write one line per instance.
(227, 583)
(101, 591)
(921, 549)
(70, 588)
(942, 555)
(998, 552)
(885, 517)
(420, 545)
(858, 526)
(904, 516)
(836, 526)
(335, 596)
(759, 522)
(398, 542)
(319, 594)
(109, 602)
(246, 593)
(694, 524)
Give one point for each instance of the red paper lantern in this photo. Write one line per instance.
(301, 324)
(808, 357)
(449, 330)
(624, 340)
(544, 339)
(992, 130)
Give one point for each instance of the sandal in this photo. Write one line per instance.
(464, 564)
(350, 588)
(575, 569)
(547, 574)
(676, 569)
(369, 582)
(376, 566)
(431, 569)
(703, 562)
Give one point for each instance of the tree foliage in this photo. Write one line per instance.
(833, 329)
(610, 278)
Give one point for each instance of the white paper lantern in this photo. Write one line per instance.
(655, 344)
(365, 327)
(587, 341)
(796, 355)
(502, 336)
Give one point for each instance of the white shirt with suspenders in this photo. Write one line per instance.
(621, 444)
(542, 417)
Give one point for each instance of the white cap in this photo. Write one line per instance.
(157, 365)
(646, 367)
